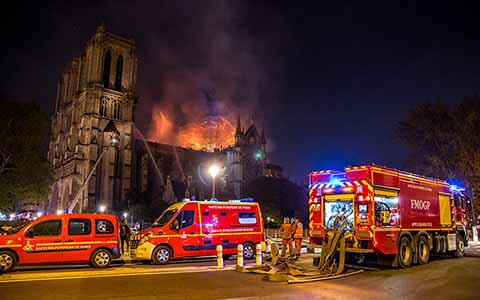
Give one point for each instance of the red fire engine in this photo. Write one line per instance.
(390, 213)
(195, 228)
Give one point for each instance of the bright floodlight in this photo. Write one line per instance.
(39, 214)
(214, 170)
(102, 208)
(125, 215)
(12, 216)
(59, 211)
(115, 139)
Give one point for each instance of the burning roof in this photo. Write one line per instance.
(214, 132)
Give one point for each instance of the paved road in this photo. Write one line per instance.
(440, 279)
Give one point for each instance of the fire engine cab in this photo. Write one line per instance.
(390, 213)
(195, 228)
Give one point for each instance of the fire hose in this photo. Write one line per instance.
(331, 264)
(334, 239)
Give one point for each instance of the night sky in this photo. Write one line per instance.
(330, 80)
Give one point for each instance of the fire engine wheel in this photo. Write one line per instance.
(405, 253)
(460, 247)
(423, 250)
(161, 255)
(248, 251)
(8, 261)
(101, 258)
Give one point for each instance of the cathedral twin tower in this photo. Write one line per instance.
(95, 101)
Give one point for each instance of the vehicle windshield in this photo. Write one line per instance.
(11, 229)
(164, 218)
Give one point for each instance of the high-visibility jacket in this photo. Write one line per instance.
(298, 233)
(286, 231)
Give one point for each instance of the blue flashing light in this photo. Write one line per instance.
(335, 182)
(456, 188)
(246, 200)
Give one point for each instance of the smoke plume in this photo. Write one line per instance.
(208, 59)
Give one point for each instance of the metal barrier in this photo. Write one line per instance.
(240, 255)
(219, 257)
(258, 257)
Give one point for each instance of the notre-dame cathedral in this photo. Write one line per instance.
(100, 158)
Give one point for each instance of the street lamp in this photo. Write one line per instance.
(102, 208)
(115, 140)
(125, 215)
(213, 170)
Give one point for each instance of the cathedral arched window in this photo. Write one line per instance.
(118, 74)
(117, 110)
(107, 61)
(111, 108)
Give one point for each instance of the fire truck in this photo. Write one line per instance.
(195, 228)
(398, 216)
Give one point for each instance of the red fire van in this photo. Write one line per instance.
(195, 228)
(68, 238)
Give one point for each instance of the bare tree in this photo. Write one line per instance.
(445, 142)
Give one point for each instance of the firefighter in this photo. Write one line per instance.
(297, 234)
(124, 235)
(286, 232)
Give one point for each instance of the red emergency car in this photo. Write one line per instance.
(195, 228)
(68, 238)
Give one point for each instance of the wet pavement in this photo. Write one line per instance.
(473, 249)
(442, 278)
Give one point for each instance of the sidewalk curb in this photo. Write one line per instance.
(477, 255)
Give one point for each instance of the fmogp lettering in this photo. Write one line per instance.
(419, 204)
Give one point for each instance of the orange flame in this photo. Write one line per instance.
(162, 130)
(210, 134)
(213, 132)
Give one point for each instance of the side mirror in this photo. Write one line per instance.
(29, 233)
(174, 225)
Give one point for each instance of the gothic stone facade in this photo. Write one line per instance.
(95, 105)
(96, 92)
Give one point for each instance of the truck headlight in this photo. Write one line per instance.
(146, 237)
